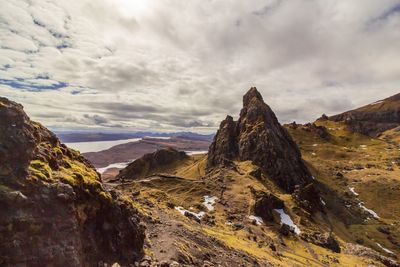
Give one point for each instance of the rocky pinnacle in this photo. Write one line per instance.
(259, 137)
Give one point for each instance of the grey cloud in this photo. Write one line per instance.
(148, 66)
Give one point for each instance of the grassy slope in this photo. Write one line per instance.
(370, 166)
(233, 190)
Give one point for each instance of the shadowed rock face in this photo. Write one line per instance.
(258, 136)
(18, 135)
(54, 210)
(225, 146)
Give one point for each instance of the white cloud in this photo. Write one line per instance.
(102, 64)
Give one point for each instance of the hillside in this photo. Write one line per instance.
(231, 208)
(372, 119)
(317, 194)
(134, 150)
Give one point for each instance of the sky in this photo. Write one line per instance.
(173, 65)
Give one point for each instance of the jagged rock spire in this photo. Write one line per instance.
(258, 136)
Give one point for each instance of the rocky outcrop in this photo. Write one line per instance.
(225, 146)
(326, 240)
(308, 198)
(374, 118)
(265, 204)
(320, 131)
(258, 136)
(54, 209)
(150, 163)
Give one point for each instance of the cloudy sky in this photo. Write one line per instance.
(171, 65)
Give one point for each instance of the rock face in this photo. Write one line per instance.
(258, 136)
(54, 210)
(374, 118)
(265, 204)
(152, 162)
(225, 146)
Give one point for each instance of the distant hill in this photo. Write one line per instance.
(372, 119)
(72, 137)
(134, 150)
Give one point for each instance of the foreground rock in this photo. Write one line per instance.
(55, 211)
(258, 136)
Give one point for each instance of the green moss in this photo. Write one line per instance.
(105, 196)
(40, 170)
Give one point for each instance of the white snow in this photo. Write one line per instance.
(384, 249)
(322, 201)
(313, 177)
(209, 202)
(315, 145)
(285, 219)
(353, 191)
(313, 154)
(195, 152)
(197, 215)
(257, 219)
(119, 165)
(373, 213)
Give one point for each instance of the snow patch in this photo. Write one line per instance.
(384, 249)
(197, 215)
(285, 219)
(315, 145)
(313, 154)
(373, 213)
(322, 201)
(258, 220)
(353, 191)
(209, 202)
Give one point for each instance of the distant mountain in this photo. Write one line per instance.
(372, 119)
(72, 137)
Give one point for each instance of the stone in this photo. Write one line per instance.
(265, 204)
(54, 217)
(259, 137)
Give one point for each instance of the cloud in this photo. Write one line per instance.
(183, 65)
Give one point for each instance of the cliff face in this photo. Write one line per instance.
(54, 210)
(225, 146)
(374, 118)
(258, 136)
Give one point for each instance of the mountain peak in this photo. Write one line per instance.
(258, 136)
(250, 95)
